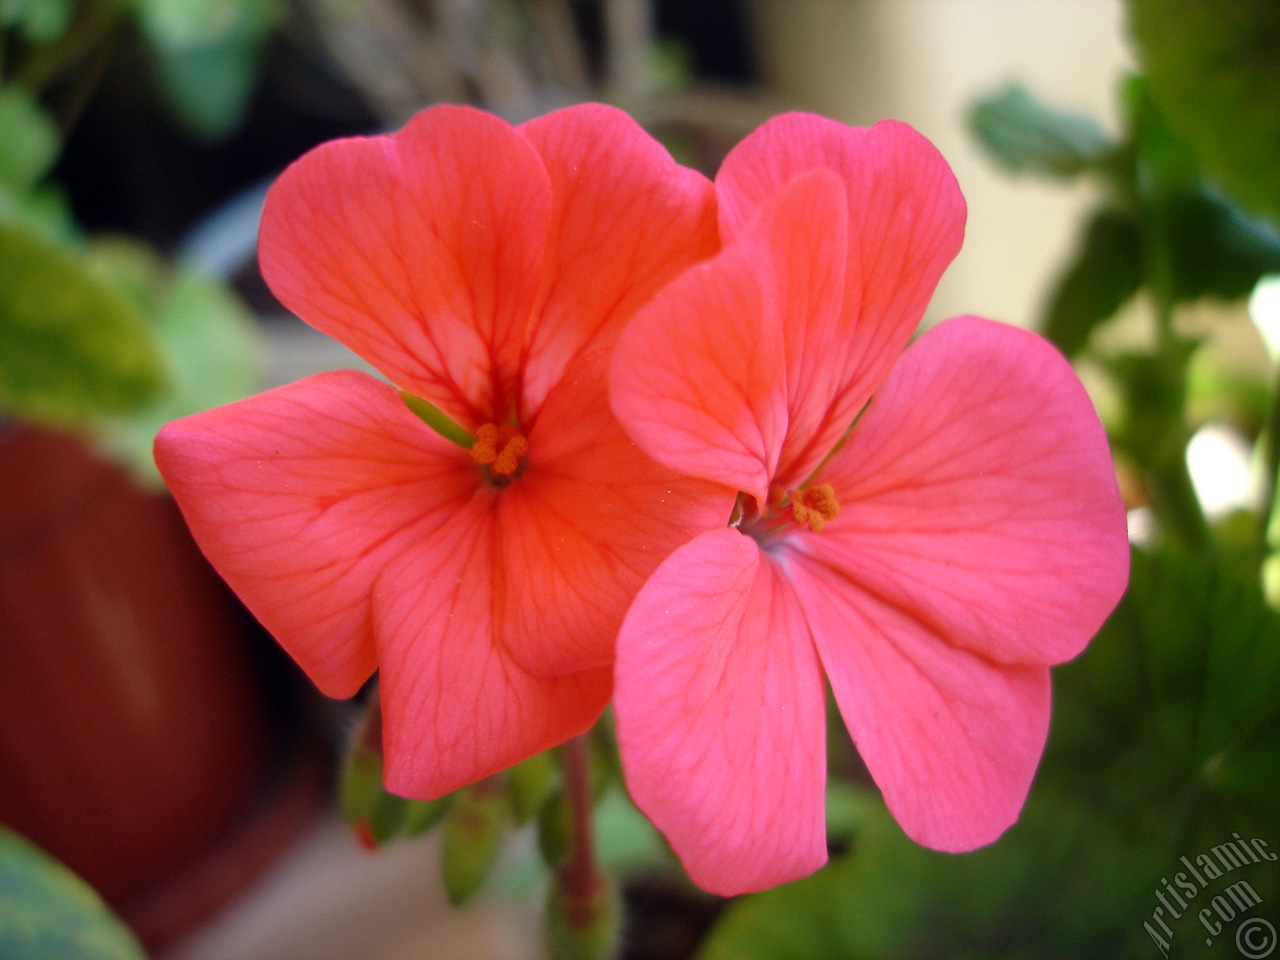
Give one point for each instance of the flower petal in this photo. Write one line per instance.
(456, 708)
(301, 495)
(625, 220)
(586, 525)
(951, 739)
(906, 224)
(720, 707)
(421, 251)
(729, 366)
(978, 495)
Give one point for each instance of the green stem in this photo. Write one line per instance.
(1173, 495)
(1270, 460)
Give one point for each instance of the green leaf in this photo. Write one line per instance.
(1172, 716)
(890, 899)
(209, 345)
(1211, 68)
(207, 53)
(41, 21)
(1024, 135)
(30, 143)
(386, 820)
(421, 815)
(1215, 250)
(531, 783)
(208, 87)
(586, 926)
(73, 348)
(48, 913)
(360, 783)
(1107, 271)
(184, 24)
(474, 830)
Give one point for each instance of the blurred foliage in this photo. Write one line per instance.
(1165, 742)
(207, 55)
(1024, 135)
(72, 345)
(48, 913)
(103, 335)
(1212, 69)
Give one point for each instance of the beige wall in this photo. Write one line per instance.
(925, 61)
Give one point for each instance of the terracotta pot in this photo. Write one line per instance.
(132, 730)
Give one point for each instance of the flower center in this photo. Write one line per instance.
(814, 507)
(811, 507)
(501, 448)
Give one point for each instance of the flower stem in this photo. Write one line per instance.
(580, 876)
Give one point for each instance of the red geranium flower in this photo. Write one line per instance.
(967, 534)
(486, 270)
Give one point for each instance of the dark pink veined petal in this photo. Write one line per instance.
(456, 707)
(728, 370)
(589, 521)
(906, 224)
(302, 495)
(720, 708)
(421, 251)
(625, 220)
(977, 494)
(951, 739)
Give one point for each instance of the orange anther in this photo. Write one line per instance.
(499, 447)
(814, 507)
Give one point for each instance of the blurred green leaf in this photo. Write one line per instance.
(30, 143)
(584, 925)
(890, 899)
(359, 783)
(474, 829)
(1215, 249)
(184, 24)
(1107, 271)
(207, 53)
(421, 815)
(48, 913)
(43, 213)
(1211, 68)
(531, 783)
(208, 344)
(1024, 135)
(73, 348)
(386, 820)
(555, 828)
(40, 21)
(209, 86)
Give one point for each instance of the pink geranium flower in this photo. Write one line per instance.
(967, 534)
(486, 270)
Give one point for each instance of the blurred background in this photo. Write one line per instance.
(1121, 163)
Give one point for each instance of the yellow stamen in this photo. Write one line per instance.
(500, 447)
(814, 507)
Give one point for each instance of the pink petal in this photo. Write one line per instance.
(625, 220)
(456, 707)
(421, 251)
(585, 526)
(301, 495)
(729, 366)
(906, 224)
(951, 739)
(978, 495)
(720, 707)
